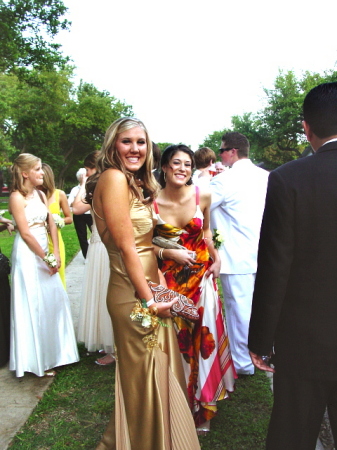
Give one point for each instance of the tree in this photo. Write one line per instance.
(24, 26)
(213, 140)
(85, 123)
(282, 117)
(162, 145)
(275, 133)
(56, 121)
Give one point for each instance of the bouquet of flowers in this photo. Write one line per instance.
(50, 260)
(59, 221)
(217, 238)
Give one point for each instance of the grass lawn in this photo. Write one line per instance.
(74, 411)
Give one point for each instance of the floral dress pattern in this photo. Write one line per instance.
(204, 346)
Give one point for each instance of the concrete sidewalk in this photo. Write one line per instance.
(19, 396)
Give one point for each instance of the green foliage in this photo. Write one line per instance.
(213, 140)
(275, 133)
(54, 120)
(24, 26)
(163, 145)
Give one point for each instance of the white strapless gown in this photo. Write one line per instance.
(42, 332)
(94, 323)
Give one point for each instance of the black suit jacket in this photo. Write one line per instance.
(295, 297)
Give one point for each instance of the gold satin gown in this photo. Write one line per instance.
(151, 409)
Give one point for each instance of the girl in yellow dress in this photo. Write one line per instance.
(57, 202)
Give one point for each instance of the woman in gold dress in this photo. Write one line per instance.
(151, 409)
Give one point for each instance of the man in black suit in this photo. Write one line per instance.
(294, 311)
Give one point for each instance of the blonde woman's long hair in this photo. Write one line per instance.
(110, 158)
(23, 163)
(48, 186)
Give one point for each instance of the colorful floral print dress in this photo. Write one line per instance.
(204, 347)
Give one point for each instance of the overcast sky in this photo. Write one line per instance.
(187, 66)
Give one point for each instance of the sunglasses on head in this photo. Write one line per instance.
(221, 150)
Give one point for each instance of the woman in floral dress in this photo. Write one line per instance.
(183, 217)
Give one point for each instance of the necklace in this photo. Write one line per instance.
(30, 196)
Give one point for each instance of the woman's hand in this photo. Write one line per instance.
(58, 259)
(52, 270)
(10, 227)
(182, 257)
(214, 270)
(164, 308)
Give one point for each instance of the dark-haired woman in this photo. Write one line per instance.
(183, 214)
(151, 409)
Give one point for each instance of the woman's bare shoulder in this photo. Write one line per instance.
(112, 183)
(16, 196)
(16, 201)
(112, 174)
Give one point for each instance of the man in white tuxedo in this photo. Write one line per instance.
(238, 198)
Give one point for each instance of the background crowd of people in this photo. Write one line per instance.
(279, 289)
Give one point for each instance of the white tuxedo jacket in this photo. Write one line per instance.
(238, 198)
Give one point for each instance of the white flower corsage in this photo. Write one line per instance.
(218, 239)
(50, 260)
(59, 221)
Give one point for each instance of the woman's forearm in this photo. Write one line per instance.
(32, 243)
(54, 236)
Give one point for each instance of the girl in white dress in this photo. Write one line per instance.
(42, 333)
(94, 323)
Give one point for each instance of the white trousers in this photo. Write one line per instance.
(238, 294)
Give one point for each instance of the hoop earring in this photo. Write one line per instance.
(165, 177)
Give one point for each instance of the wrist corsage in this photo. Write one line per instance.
(59, 221)
(217, 238)
(148, 316)
(50, 260)
(141, 313)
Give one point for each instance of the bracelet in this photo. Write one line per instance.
(160, 254)
(50, 260)
(154, 311)
(150, 302)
